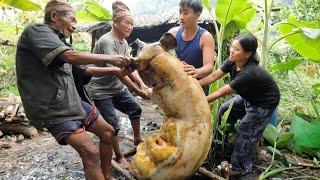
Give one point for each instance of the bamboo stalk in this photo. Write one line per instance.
(211, 175)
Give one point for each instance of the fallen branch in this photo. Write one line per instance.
(130, 151)
(130, 138)
(211, 175)
(124, 172)
(17, 128)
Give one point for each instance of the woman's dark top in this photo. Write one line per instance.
(253, 83)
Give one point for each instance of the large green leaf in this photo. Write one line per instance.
(270, 134)
(283, 138)
(240, 20)
(305, 38)
(289, 65)
(306, 134)
(93, 12)
(207, 4)
(25, 5)
(239, 11)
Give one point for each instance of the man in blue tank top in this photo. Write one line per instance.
(195, 45)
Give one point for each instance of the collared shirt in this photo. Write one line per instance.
(46, 87)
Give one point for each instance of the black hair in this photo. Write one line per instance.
(249, 43)
(195, 5)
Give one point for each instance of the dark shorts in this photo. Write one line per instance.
(63, 130)
(123, 102)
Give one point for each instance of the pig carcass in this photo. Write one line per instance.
(186, 134)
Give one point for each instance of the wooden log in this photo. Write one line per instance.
(9, 111)
(130, 151)
(211, 175)
(18, 128)
(124, 172)
(21, 113)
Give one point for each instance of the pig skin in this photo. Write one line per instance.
(186, 134)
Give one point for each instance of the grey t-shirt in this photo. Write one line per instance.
(109, 85)
(48, 92)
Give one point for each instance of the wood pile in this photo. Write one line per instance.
(14, 125)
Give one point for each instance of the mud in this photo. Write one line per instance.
(42, 157)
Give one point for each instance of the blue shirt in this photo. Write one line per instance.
(190, 51)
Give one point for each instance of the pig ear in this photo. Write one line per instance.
(168, 41)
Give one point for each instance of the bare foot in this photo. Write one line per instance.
(136, 142)
(123, 163)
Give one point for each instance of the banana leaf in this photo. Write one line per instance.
(289, 65)
(303, 37)
(25, 5)
(93, 12)
(234, 14)
(306, 136)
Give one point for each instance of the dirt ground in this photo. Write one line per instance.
(42, 157)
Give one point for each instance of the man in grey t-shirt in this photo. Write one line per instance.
(45, 83)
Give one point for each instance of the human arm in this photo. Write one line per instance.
(137, 79)
(174, 31)
(134, 87)
(53, 51)
(211, 78)
(219, 93)
(208, 55)
(101, 71)
(79, 58)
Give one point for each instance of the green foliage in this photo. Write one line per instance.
(81, 42)
(92, 12)
(7, 71)
(207, 4)
(234, 15)
(272, 135)
(25, 5)
(304, 37)
(306, 135)
(316, 88)
(307, 10)
(224, 126)
(288, 65)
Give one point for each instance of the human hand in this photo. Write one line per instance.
(120, 61)
(143, 93)
(119, 72)
(189, 69)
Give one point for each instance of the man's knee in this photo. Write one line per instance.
(107, 137)
(89, 152)
(135, 113)
(223, 108)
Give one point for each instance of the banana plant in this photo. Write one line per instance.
(232, 16)
(303, 37)
(92, 11)
(24, 5)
